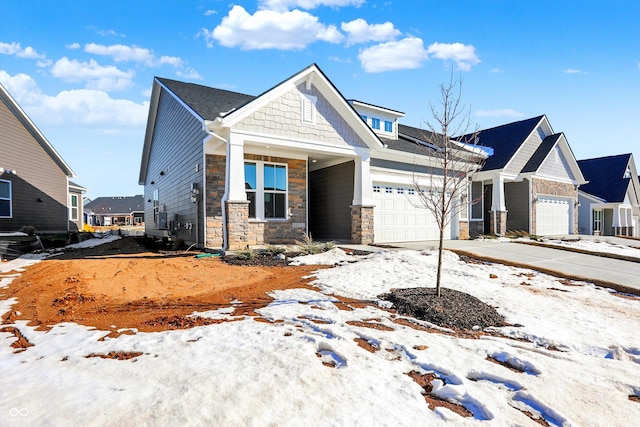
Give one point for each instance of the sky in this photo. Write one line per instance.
(569, 354)
(83, 70)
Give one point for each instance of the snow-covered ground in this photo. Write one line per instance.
(601, 245)
(577, 347)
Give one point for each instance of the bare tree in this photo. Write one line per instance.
(454, 157)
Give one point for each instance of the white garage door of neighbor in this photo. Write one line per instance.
(553, 216)
(399, 216)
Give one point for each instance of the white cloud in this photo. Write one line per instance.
(171, 60)
(269, 29)
(121, 53)
(359, 31)
(496, 71)
(574, 71)
(189, 73)
(82, 106)
(73, 46)
(504, 112)
(93, 74)
(463, 55)
(407, 53)
(17, 50)
(340, 60)
(307, 4)
(210, 12)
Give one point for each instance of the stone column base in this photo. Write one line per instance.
(237, 216)
(362, 225)
(498, 222)
(464, 230)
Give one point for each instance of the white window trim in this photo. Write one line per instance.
(259, 191)
(71, 208)
(10, 199)
(308, 109)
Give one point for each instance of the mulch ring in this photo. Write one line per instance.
(453, 309)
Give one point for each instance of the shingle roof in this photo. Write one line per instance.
(209, 103)
(541, 153)
(505, 141)
(606, 177)
(116, 205)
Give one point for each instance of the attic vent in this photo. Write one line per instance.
(309, 108)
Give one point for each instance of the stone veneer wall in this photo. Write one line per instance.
(464, 230)
(476, 228)
(543, 187)
(254, 232)
(362, 224)
(501, 218)
(215, 175)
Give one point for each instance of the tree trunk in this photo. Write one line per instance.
(439, 274)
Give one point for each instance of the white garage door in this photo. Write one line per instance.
(553, 216)
(399, 216)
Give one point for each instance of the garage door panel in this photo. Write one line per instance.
(553, 216)
(399, 216)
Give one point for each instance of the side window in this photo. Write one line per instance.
(155, 206)
(375, 123)
(73, 207)
(5, 199)
(275, 191)
(388, 126)
(251, 185)
(476, 199)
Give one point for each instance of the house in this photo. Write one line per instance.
(529, 184)
(610, 201)
(35, 190)
(227, 170)
(76, 207)
(115, 211)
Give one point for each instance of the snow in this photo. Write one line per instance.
(578, 353)
(598, 245)
(95, 241)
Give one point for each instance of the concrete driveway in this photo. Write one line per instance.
(617, 274)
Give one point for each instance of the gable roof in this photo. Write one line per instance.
(505, 140)
(541, 153)
(606, 177)
(208, 102)
(22, 117)
(115, 205)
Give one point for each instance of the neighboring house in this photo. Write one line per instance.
(34, 179)
(529, 184)
(227, 170)
(76, 208)
(115, 211)
(609, 203)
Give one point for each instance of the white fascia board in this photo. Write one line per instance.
(400, 177)
(590, 197)
(295, 144)
(372, 107)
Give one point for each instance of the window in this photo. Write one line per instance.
(400, 190)
(155, 206)
(308, 109)
(5, 199)
(266, 187)
(597, 222)
(251, 185)
(73, 207)
(375, 123)
(376, 188)
(364, 117)
(388, 126)
(411, 191)
(476, 200)
(388, 190)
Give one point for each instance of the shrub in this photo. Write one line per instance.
(310, 247)
(273, 250)
(245, 254)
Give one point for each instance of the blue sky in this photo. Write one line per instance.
(82, 70)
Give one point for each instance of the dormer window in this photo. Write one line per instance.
(375, 123)
(309, 109)
(363, 117)
(388, 126)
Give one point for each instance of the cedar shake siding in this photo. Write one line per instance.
(175, 163)
(39, 185)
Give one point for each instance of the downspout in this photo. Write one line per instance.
(225, 197)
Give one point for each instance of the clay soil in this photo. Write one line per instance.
(123, 285)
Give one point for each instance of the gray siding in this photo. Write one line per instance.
(524, 154)
(175, 162)
(556, 166)
(517, 202)
(584, 215)
(37, 178)
(330, 198)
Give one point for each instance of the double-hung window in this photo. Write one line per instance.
(266, 187)
(597, 221)
(5, 199)
(388, 126)
(73, 207)
(375, 123)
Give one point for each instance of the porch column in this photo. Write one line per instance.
(498, 208)
(362, 231)
(236, 208)
(616, 221)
